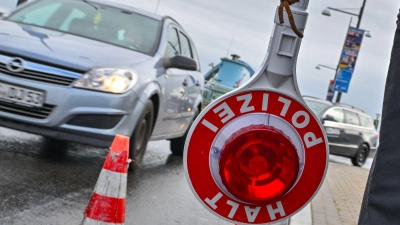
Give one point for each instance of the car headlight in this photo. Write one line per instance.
(114, 80)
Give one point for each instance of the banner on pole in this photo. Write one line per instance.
(348, 58)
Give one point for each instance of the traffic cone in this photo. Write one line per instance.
(107, 204)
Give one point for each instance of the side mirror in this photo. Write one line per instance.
(328, 118)
(180, 62)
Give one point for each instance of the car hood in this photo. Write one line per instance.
(65, 50)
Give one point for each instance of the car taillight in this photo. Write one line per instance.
(258, 163)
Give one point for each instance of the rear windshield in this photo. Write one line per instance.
(366, 121)
(94, 21)
(317, 107)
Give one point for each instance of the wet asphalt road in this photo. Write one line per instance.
(48, 182)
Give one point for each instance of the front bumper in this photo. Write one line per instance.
(97, 140)
(372, 152)
(67, 109)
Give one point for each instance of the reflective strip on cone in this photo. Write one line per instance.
(111, 184)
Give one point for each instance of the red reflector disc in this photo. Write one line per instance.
(258, 164)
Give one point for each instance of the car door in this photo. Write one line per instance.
(173, 85)
(192, 81)
(353, 132)
(334, 127)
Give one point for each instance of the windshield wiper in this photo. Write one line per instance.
(91, 4)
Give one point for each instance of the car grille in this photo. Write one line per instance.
(32, 112)
(38, 76)
(95, 121)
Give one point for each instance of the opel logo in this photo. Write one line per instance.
(16, 65)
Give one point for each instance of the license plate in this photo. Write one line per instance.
(333, 131)
(21, 95)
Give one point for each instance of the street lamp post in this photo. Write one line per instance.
(158, 4)
(318, 67)
(326, 12)
(330, 89)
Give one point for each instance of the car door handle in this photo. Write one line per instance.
(185, 83)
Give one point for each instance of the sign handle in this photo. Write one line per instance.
(278, 71)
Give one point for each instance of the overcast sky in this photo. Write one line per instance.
(213, 23)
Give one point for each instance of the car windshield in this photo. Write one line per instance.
(94, 21)
(317, 107)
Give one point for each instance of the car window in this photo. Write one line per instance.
(173, 47)
(317, 107)
(186, 50)
(75, 13)
(352, 118)
(366, 121)
(95, 21)
(40, 14)
(335, 114)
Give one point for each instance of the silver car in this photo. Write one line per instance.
(84, 71)
(350, 131)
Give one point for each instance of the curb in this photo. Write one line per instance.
(304, 217)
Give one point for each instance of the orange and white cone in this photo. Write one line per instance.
(107, 204)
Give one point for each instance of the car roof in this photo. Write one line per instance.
(315, 99)
(343, 105)
(347, 106)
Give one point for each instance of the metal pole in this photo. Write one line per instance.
(339, 95)
(361, 14)
(158, 3)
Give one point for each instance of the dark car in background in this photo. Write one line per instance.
(85, 71)
(350, 131)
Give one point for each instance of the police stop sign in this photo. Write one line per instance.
(277, 184)
(258, 155)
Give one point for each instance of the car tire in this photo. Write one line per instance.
(141, 136)
(361, 156)
(177, 145)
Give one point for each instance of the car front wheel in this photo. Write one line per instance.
(361, 156)
(141, 136)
